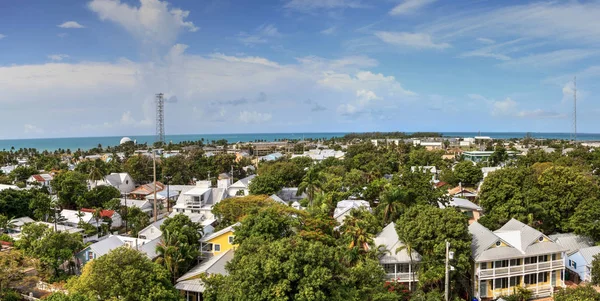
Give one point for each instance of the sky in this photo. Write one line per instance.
(76, 68)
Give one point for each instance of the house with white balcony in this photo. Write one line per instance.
(512, 256)
(399, 265)
(197, 202)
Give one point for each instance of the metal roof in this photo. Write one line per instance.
(589, 253)
(572, 242)
(213, 265)
(219, 233)
(461, 203)
(396, 251)
(482, 239)
(194, 285)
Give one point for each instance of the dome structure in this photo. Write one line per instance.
(125, 140)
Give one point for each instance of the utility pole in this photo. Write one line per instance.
(447, 294)
(154, 164)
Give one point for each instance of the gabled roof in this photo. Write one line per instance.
(213, 265)
(147, 189)
(21, 221)
(243, 182)
(277, 199)
(572, 242)
(518, 234)
(103, 212)
(156, 225)
(461, 203)
(219, 233)
(396, 250)
(519, 240)
(345, 206)
(589, 253)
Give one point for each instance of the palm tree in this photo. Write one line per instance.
(96, 172)
(97, 213)
(392, 201)
(311, 183)
(173, 255)
(6, 224)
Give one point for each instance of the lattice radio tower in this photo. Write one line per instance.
(574, 133)
(160, 118)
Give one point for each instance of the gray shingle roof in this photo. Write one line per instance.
(572, 242)
(518, 234)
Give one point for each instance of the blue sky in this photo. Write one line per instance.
(90, 68)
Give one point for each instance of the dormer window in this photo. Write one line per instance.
(541, 239)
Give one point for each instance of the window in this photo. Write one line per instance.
(554, 256)
(543, 258)
(530, 260)
(514, 281)
(574, 265)
(231, 239)
(543, 277)
(541, 238)
(484, 265)
(570, 263)
(498, 243)
(530, 279)
(501, 283)
(389, 268)
(515, 262)
(90, 255)
(217, 247)
(501, 264)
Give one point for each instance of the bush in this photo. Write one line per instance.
(6, 238)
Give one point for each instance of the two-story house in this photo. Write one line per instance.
(197, 202)
(218, 242)
(515, 255)
(398, 263)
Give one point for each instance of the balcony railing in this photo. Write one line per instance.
(521, 269)
(403, 277)
(538, 291)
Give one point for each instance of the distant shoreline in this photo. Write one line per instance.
(85, 143)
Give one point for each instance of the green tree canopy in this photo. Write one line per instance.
(186, 231)
(426, 229)
(580, 293)
(15, 203)
(467, 173)
(99, 196)
(124, 274)
(266, 184)
(231, 210)
(70, 187)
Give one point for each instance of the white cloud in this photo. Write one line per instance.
(58, 57)
(152, 21)
(32, 129)
(70, 24)
(550, 59)
(412, 40)
(409, 6)
(329, 31)
(555, 21)
(118, 98)
(505, 107)
(486, 41)
(261, 35)
(539, 113)
(2, 36)
(365, 97)
(254, 117)
(306, 5)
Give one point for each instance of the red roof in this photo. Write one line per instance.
(38, 178)
(103, 213)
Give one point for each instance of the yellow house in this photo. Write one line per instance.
(219, 242)
(515, 255)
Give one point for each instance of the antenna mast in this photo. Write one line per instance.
(160, 118)
(574, 135)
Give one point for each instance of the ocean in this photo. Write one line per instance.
(84, 143)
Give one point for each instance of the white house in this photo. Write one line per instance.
(114, 216)
(398, 263)
(344, 207)
(197, 202)
(241, 185)
(101, 248)
(578, 247)
(152, 231)
(72, 218)
(122, 181)
(43, 180)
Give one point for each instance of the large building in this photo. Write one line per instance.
(512, 256)
(482, 156)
